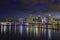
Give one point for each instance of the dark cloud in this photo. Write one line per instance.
(12, 8)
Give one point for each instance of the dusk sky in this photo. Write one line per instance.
(22, 8)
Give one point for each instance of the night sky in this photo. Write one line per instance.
(22, 8)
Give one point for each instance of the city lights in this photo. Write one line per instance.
(31, 26)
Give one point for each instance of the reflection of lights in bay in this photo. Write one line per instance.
(39, 31)
(18, 31)
(44, 29)
(30, 29)
(15, 28)
(27, 28)
(49, 34)
(9, 27)
(21, 30)
(21, 27)
(2, 28)
(36, 30)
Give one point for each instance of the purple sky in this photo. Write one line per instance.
(18, 9)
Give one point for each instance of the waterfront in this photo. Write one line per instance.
(34, 33)
(37, 28)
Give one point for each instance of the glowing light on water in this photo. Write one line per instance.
(34, 31)
(15, 28)
(30, 30)
(36, 28)
(2, 28)
(9, 27)
(39, 32)
(42, 28)
(49, 34)
(27, 28)
(21, 29)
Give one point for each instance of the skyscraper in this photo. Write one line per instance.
(30, 21)
(49, 25)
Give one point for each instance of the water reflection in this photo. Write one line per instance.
(33, 30)
(49, 34)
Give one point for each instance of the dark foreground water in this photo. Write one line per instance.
(50, 35)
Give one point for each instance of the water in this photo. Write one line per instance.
(24, 32)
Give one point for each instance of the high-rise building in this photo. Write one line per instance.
(49, 25)
(30, 18)
(54, 26)
(30, 21)
(57, 21)
(49, 20)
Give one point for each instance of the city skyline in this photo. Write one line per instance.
(54, 14)
(30, 19)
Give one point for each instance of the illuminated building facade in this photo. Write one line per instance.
(57, 22)
(49, 21)
(49, 25)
